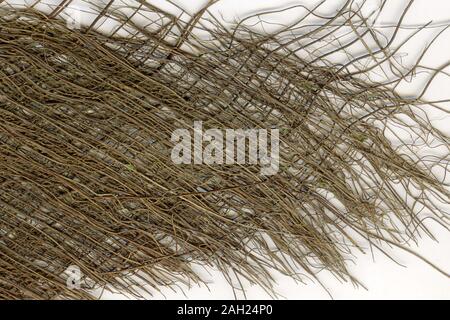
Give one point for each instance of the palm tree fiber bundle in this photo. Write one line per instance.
(86, 176)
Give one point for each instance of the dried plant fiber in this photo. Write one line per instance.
(86, 176)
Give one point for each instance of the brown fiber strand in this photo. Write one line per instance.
(86, 176)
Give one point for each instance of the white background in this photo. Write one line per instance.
(383, 278)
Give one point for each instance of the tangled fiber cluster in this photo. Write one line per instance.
(86, 176)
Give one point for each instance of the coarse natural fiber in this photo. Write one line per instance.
(86, 176)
